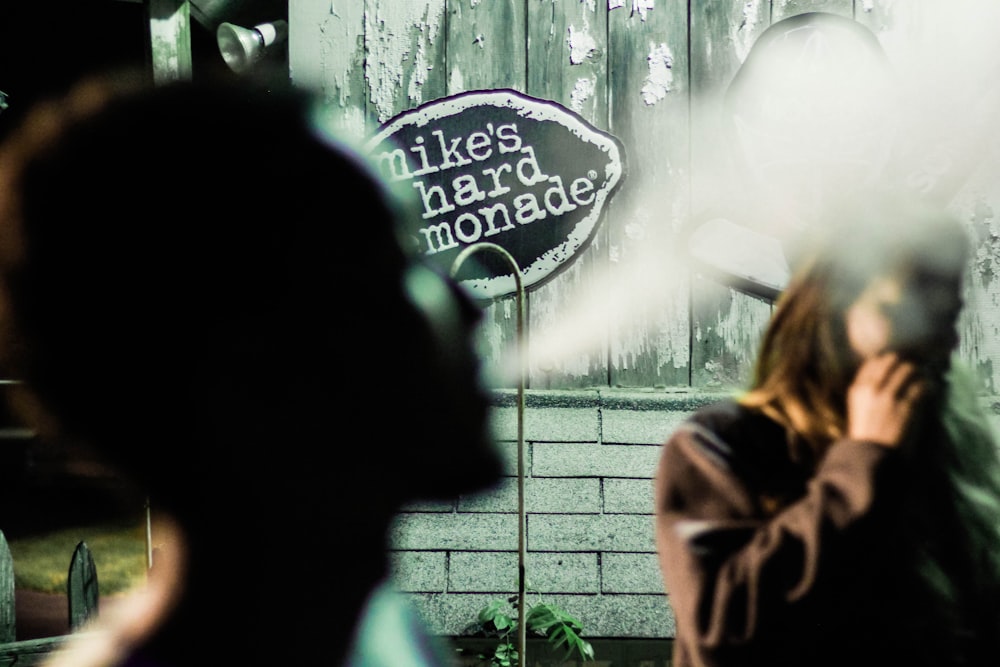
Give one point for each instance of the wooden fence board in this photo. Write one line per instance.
(170, 39)
(326, 54)
(726, 324)
(948, 150)
(82, 593)
(30, 652)
(628, 67)
(7, 621)
(648, 285)
(567, 63)
(782, 9)
(404, 55)
(486, 45)
(82, 587)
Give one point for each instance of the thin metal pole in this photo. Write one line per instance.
(149, 536)
(522, 356)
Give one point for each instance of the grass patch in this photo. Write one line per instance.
(41, 563)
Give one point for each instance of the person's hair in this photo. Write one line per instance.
(805, 364)
(947, 526)
(210, 291)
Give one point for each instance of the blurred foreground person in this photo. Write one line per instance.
(845, 510)
(210, 291)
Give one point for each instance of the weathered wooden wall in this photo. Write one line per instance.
(632, 311)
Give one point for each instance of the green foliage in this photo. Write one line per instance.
(41, 563)
(499, 619)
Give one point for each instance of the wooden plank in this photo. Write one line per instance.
(977, 203)
(726, 323)
(782, 9)
(648, 285)
(947, 151)
(7, 607)
(728, 326)
(567, 63)
(170, 39)
(31, 652)
(367, 60)
(722, 33)
(326, 54)
(486, 44)
(82, 587)
(404, 50)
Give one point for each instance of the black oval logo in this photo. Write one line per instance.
(498, 166)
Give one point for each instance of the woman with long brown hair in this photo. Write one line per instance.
(846, 509)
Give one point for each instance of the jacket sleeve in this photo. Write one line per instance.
(729, 569)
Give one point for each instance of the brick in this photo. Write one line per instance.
(631, 615)
(419, 570)
(628, 615)
(646, 427)
(628, 496)
(549, 424)
(620, 532)
(503, 498)
(430, 506)
(451, 614)
(482, 571)
(496, 572)
(561, 572)
(631, 573)
(562, 425)
(482, 532)
(593, 460)
(541, 495)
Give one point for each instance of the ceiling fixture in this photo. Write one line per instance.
(242, 47)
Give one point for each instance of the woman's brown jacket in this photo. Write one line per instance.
(771, 562)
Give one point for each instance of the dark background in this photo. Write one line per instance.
(46, 45)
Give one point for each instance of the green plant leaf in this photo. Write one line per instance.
(505, 655)
(560, 628)
(487, 613)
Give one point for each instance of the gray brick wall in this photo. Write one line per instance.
(589, 462)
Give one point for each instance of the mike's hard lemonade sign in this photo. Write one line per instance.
(497, 166)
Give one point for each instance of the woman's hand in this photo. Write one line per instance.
(883, 399)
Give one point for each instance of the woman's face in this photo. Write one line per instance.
(913, 312)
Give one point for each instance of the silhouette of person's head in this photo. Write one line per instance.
(209, 290)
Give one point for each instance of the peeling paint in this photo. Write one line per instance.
(591, 5)
(986, 262)
(456, 82)
(581, 45)
(583, 90)
(640, 7)
(397, 42)
(867, 5)
(635, 231)
(745, 33)
(660, 79)
(742, 326)
(615, 4)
